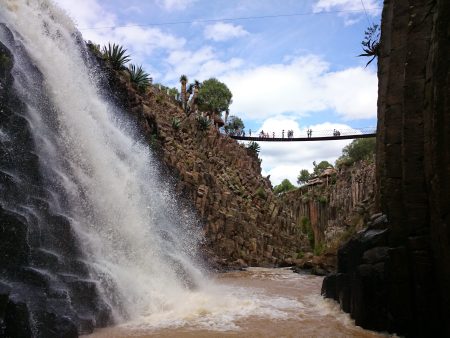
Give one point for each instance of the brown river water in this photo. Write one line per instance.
(254, 303)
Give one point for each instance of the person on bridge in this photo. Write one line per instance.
(282, 134)
(250, 132)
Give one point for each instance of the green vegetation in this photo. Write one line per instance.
(322, 199)
(319, 168)
(283, 187)
(139, 77)
(303, 177)
(214, 96)
(318, 249)
(96, 49)
(371, 42)
(203, 123)
(358, 150)
(176, 123)
(184, 98)
(253, 148)
(115, 55)
(261, 193)
(159, 98)
(234, 125)
(305, 226)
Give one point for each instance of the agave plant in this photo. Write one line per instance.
(139, 77)
(176, 123)
(203, 123)
(371, 42)
(115, 55)
(253, 147)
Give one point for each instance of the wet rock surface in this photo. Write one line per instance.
(38, 247)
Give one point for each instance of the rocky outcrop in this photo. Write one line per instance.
(395, 275)
(244, 222)
(331, 209)
(45, 286)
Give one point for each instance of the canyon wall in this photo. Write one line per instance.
(395, 276)
(333, 209)
(243, 221)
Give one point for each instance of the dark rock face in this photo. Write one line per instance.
(400, 281)
(45, 287)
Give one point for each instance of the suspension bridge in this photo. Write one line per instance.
(309, 135)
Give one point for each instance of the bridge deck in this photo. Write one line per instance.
(303, 139)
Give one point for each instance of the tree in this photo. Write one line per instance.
(234, 124)
(283, 187)
(183, 80)
(214, 96)
(358, 150)
(303, 177)
(319, 168)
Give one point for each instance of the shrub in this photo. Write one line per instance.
(176, 123)
(253, 148)
(139, 77)
(159, 98)
(318, 249)
(283, 187)
(322, 199)
(261, 193)
(203, 123)
(371, 42)
(116, 56)
(358, 150)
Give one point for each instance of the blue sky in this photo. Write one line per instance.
(294, 72)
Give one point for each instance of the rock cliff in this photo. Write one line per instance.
(395, 275)
(244, 222)
(332, 209)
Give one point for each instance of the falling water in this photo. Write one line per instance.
(102, 204)
(100, 177)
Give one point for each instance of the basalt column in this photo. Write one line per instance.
(395, 276)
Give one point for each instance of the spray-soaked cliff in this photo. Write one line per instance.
(90, 234)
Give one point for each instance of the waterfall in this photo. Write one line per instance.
(100, 180)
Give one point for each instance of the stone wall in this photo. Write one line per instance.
(396, 275)
(244, 223)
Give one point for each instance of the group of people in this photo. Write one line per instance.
(289, 134)
(265, 135)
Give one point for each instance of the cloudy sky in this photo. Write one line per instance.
(294, 67)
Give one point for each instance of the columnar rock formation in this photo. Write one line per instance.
(341, 203)
(329, 211)
(244, 223)
(396, 275)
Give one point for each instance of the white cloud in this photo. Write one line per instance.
(171, 5)
(348, 5)
(302, 86)
(222, 31)
(283, 160)
(140, 42)
(343, 5)
(201, 64)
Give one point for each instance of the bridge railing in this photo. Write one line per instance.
(310, 133)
